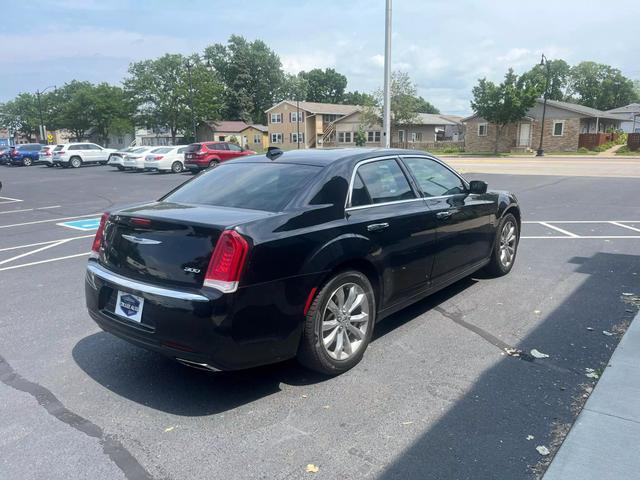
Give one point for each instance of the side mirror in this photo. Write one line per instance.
(477, 186)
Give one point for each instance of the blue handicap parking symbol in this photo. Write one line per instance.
(85, 225)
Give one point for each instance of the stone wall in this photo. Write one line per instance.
(486, 143)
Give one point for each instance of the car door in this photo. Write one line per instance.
(234, 150)
(98, 154)
(385, 207)
(465, 220)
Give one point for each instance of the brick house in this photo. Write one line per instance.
(564, 123)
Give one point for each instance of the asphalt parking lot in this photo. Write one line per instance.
(437, 396)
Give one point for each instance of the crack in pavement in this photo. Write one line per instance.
(503, 346)
(111, 446)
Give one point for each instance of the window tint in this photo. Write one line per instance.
(194, 147)
(183, 149)
(384, 181)
(257, 186)
(434, 179)
(75, 147)
(359, 194)
(217, 146)
(58, 148)
(161, 150)
(233, 147)
(92, 146)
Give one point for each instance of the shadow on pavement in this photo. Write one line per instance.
(483, 434)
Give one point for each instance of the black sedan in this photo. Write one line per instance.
(294, 254)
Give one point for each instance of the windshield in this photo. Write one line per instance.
(256, 186)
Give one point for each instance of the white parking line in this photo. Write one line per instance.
(17, 247)
(51, 220)
(13, 267)
(29, 209)
(31, 252)
(559, 229)
(626, 226)
(9, 200)
(587, 237)
(583, 221)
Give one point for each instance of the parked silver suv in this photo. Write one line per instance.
(78, 154)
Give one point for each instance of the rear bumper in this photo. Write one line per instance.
(196, 167)
(251, 327)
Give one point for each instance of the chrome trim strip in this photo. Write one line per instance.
(198, 366)
(94, 269)
(360, 207)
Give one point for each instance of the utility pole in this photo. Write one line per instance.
(386, 118)
(43, 132)
(193, 114)
(298, 119)
(544, 62)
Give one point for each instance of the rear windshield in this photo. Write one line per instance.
(194, 147)
(58, 148)
(256, 186)
(161, 150)
(138, 150)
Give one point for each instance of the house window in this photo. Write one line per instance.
(295, 137)
(276, 138)
(344, 137)
(558, 129)
(296, 117)
(257, 138)
(482, 129)
(326, 118)
(415, 137)
(276, 118)
(373, 137)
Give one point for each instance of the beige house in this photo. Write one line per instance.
(328, 125)
(252, 136)
(563, 125)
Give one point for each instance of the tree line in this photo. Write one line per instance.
(240, 79)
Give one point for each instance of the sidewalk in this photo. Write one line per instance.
(604, 442)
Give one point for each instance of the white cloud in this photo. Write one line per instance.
(296, 62)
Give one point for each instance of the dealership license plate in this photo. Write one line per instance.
(129, 306)
(189, 155)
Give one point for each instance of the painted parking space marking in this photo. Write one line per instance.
(29, 209)
(39, 262)
(567, 228)
(84, 225)
(29, 245)
(51, 220)
(4, 200)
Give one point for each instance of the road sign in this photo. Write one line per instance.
(49, 137)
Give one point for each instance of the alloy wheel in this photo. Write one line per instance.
(508, 240)
(177, 167)
(345, 321)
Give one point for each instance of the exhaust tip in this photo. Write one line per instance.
(198, 366)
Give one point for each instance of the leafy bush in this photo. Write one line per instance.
(583, 150)
(360, 137)
(624, 149)
(452, 149)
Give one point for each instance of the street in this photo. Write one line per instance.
(447, 389)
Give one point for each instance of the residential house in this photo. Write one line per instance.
(252, 136)
(156, 137)
(629, 116)
(563, 126)
(294, 124)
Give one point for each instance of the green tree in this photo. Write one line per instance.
(422, 106)
(324, 86)
(600, 86)
(404, 102)
(360, 137)
(636, 86)
(73, 109)
(294, 87)
(358, 98)
(160, 91)
(21, 115)
(559, 73)
(252, 77)
(504, 103)
(111, 113)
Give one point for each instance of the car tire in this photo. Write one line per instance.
(49, 165)
(27, 162)
(75, 162)
(214, 163)
(120, 167)
(177, 167)
(347, 338)
(505, 247)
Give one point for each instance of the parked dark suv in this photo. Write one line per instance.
(199, 156)
(293, 254)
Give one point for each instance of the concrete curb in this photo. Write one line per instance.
(604, 442)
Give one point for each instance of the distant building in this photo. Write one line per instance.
(251, 136)
(629, 116)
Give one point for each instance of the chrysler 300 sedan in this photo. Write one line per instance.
(293, 254)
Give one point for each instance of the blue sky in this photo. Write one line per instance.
(444, 45)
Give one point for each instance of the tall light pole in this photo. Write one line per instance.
(193, 114)
(544, 62)
(42, 127)
(386, 116)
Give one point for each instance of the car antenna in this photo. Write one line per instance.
(273, 153)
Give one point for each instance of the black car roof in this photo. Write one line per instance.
(323, 156)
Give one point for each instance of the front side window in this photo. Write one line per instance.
(344, 137)
(373, 136)
(257, 139)
(276, 118)
(276, 138)
(558, 129)
(297, 137)
(434, 179)
(482, 129)
(383, 182)
(234, 148)
(256, 186)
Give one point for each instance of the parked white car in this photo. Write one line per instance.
(166, 159)
(116, 158)
(135, 158)
(77, 154)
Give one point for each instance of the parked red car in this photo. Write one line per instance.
(209, 154)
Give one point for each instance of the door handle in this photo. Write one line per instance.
(444, 215)
(376, 227)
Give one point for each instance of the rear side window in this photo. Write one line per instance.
(434, 179)
(92, 146)
(76, 147)
(194, 147)
(58, 148)
(183, 150)
(217, 146)
(256, 186)
(383, 181)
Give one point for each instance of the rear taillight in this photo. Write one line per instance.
(227, 262)
(157, 157)
(97, 240)
(141, 222)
